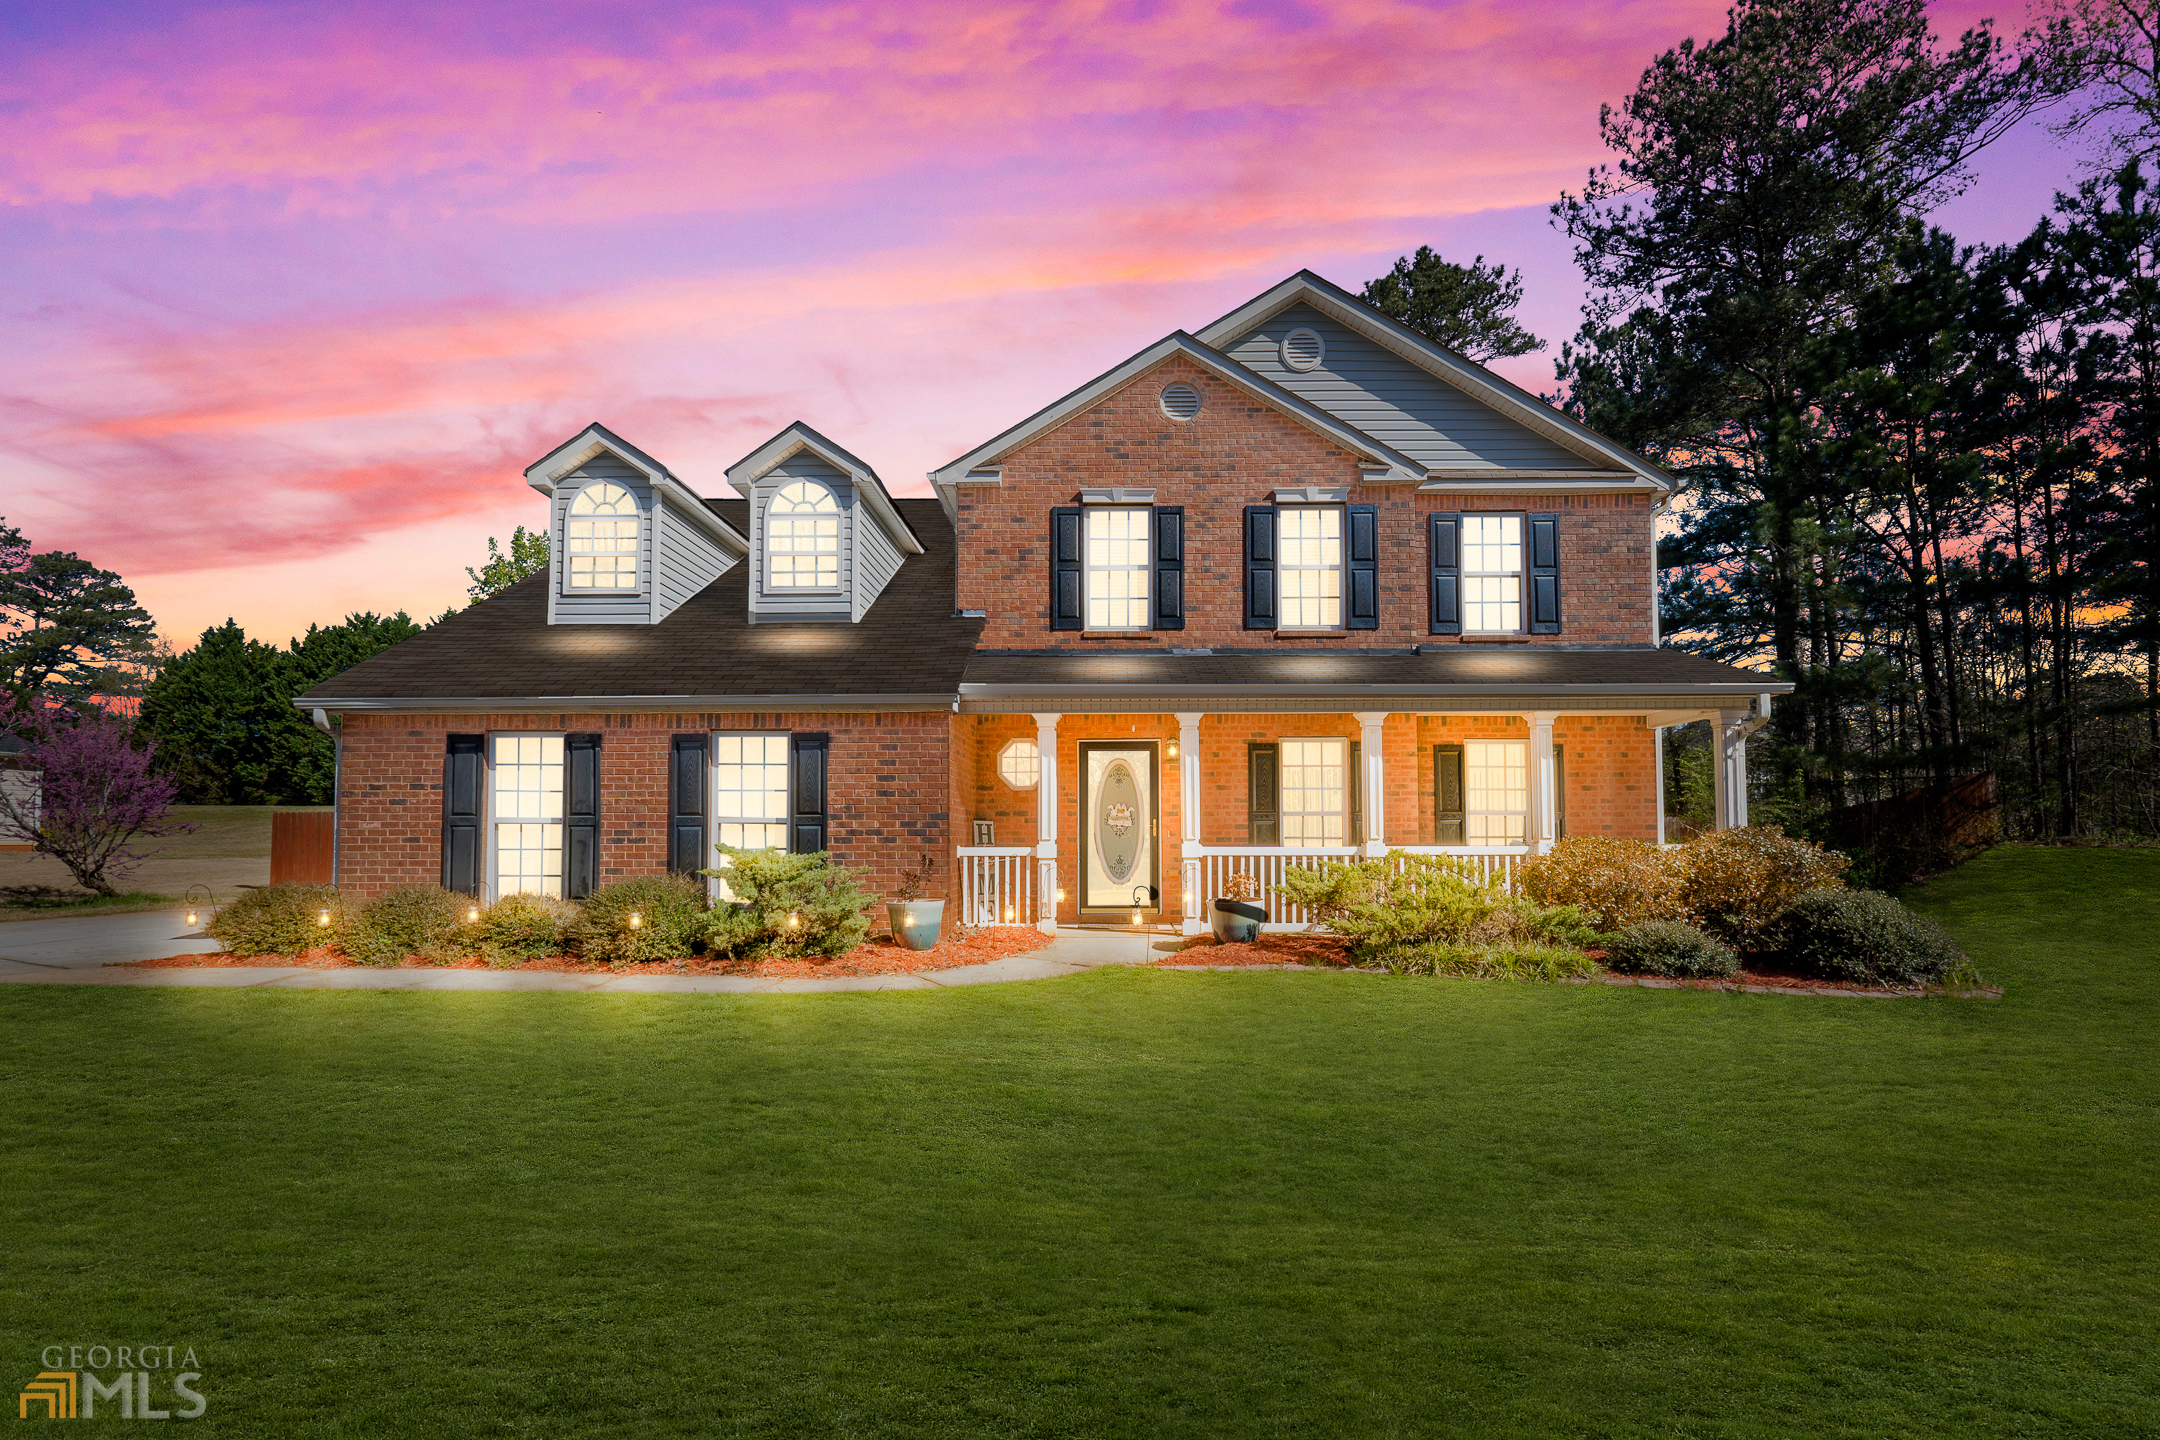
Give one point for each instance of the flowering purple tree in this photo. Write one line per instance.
(94, 793)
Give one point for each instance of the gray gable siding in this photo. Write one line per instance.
(689, 560)
(790, 605)
(565, 608)
(877, 559)
(1383, 395)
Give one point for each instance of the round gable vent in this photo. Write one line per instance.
(1180, 401)
(1303, 349)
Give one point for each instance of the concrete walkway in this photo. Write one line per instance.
(82, 951)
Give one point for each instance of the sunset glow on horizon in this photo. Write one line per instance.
(296, 292)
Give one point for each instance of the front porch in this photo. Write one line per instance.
(1200, 796)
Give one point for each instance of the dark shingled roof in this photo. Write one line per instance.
(1449, 666)
(503, 648)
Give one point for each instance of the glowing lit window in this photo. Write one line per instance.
(1496, 792)
(750, 782)
(1311, 567)
(601, 540)
(1315, 793)
(1492, 572)
(1020, 765)
(527, 812)
(1117, 568)
(802, 538)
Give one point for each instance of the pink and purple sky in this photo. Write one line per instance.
(294, 292)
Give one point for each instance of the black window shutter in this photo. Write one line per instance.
(808, 831)
(581, 815)
(1263, 802)
(1559, 791)
(1068, 610)
(1169, 567)
(1357, 795)
(1260, 608)
(1446, 532)
(688, 776)
(1362, 594)
(1544, 577)
(464, 767)
(1447, 795)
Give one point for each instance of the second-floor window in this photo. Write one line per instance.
(1492, 564)
(601, 539)
(1312, 567)
(802, 538)
(1117, 567)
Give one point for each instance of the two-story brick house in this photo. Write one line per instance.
(1299, 583)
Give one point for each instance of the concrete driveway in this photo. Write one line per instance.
(82, 941)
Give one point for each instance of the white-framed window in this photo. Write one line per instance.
(802, 538)
(525, 812)
(750, 791)
(1315, 795)
(1496, 792)
(1117, 567)
(1311, 568)
(1492, 573)
(1020, 764)
(600, 539)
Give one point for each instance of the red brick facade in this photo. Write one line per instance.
(1234, 453)
(889, 799)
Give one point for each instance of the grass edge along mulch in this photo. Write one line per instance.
(1278, 950)
(880, 956)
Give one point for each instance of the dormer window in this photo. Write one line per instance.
(802, 538)
(600, 541)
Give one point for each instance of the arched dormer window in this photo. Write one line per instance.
(802, 538)
(600, 543)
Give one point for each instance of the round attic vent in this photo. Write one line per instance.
(1180, 401)
(1303, 349)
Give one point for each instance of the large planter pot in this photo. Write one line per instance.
(915, 923)
(1237, 921)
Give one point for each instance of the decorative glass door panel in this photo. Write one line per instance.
(1120, 863)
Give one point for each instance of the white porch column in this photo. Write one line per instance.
(1188, 758)
(1729, 775)
(1046, 813)
(1374, 780)
(1542, 808)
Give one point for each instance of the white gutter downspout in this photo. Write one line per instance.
(337, 785)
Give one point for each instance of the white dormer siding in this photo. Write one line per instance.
(681, 546)
(873, 540)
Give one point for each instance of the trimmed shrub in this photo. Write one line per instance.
(1740, 883)
(518, 928)
(422, 920)
(1406, 903)
(1485, 962)
(1622, 882)
(1671, 948)
(786, 905)
(670, 911)
(1866, 937)
(277, 920)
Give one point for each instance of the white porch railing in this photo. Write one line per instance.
(997, 884)
(1266, 864)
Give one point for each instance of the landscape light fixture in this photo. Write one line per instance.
(1136, 917)
(322, 917)
(794, 921)
(1008, 914)
(196, 904)
(472, 914)
(636, 920)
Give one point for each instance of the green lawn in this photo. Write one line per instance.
(1125, 1204)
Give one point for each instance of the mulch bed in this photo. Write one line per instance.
(881, 956)
(1327, 952)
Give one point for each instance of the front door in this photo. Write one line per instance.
(1120, 860)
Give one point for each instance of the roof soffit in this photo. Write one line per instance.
(1444, 364)
(1388, 465)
